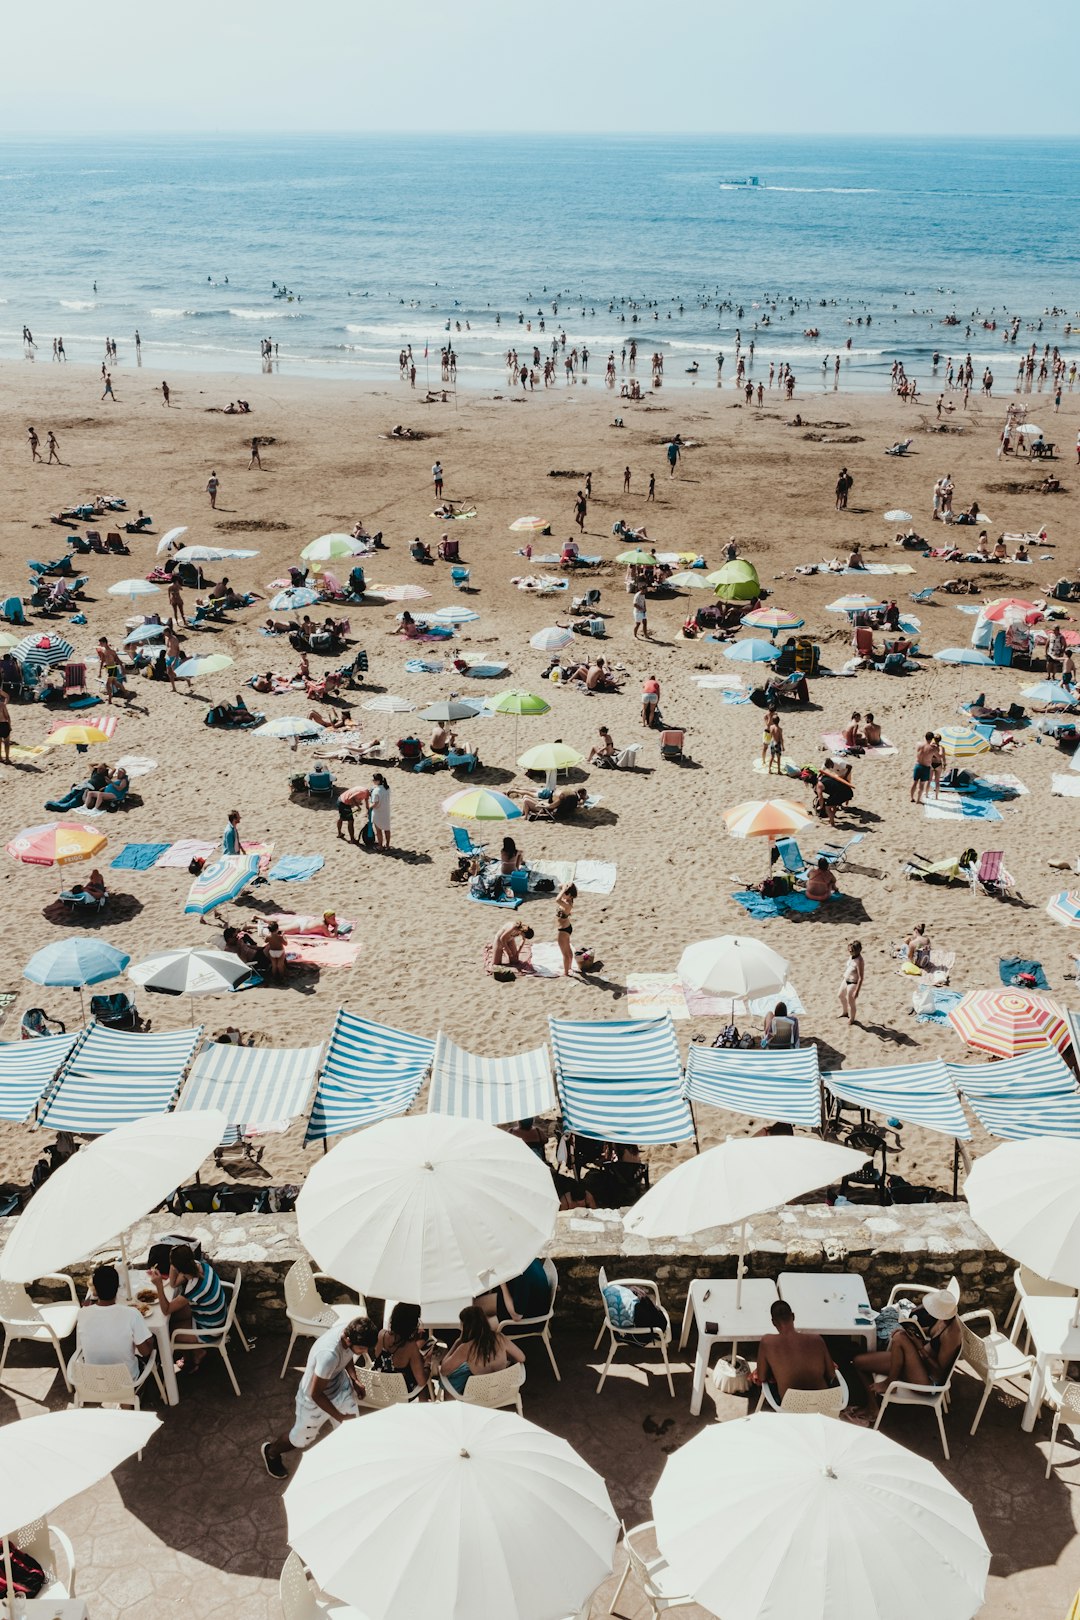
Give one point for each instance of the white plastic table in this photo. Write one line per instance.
(54, 1608)
(712, 1301)
(829, 1302)
(1049, 1320)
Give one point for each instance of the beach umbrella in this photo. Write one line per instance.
(766, 818)
(751, 652)
(143, 632)
(962, 742)
(133, 588)
(854, 604)
(733, 966)
(962, 655)
(427, 1208)
(772, 619)
(289, 725)
(736, 582)
(329, 546)
(1007, 608)
(785, 1514)
(637, 558)
(1029, 430)
(455, 615)
(77, 736)
(388, 703)
(1065, 907)
(203, 664)
(530, 525)
(219, 881)
(450, 709)
(689, 579)
(554, 756)
(552, 639)
(8, 639)
(190, 972)
(73, 963)
(399, 593)
(171, 539)
(201, 554)
(56, 843)
(1026, 1197)
(897, 515)
(480, 804)
(437, 1512)
(42, 651)
(106, 1187)
(1050, 692)
(296, 596)
(1010, 1023)
(517, 704)
(47, 1459)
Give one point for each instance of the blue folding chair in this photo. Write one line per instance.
(460, 577)
(463, 842)
(837, 854)
(792, 857)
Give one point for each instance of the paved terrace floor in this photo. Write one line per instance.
(198, 1527)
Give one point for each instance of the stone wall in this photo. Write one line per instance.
(919, 1243)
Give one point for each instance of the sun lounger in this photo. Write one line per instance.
(990, 876)
(837, 854)
(944, 871)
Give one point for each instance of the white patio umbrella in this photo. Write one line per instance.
(553, 638)
(104, 1188)
(190, 972)
(45, 1460)
(389, 703)
(427, 1208)
(133, 588)
(784, 1515)
(451, 1511)
(744, 1176)
(733, 966)
(897, 515)
(213, 553)
(171, 539)
(1026, 1197)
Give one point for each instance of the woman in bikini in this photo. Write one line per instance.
(564, 907)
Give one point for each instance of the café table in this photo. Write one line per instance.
(1055, 1335)
(710, 1304)
(828, 1302)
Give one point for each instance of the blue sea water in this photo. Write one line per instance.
(388, 241)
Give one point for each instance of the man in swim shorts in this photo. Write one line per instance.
(924, 762)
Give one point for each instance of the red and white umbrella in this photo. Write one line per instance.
(766, 818)
(1010, 1023)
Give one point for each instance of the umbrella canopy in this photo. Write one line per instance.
(45, 1460)
(76, 736)
(744, 1176)
(75, 962)
(389, 703)
(133, 588)
(204, 664)
(530, 525)
(962, 742)
(329, 546)
(450, 709)
(399, 593)
(441, 1512)
(8, 639)
(772, 619)
(55, 843)
(1009, 1023)
(143, 632)
(1029, 430)
(554, 756)
(1006, 608)
(854, 604)
(517, 703)
(190, 972)
(427, 1208)
(1026, 1197)
(201, 554)
(751, 652)
(636, 558)
(1050, 692)
(480, 804)
(766, 818)
(171, 539)
(897, 515)
(733, 966)
(106, 1187)
(294, 596)
(220, 881)
(1065, 907)
(289, 725)
(736, 582)
(43, 651)
(691, 579)
(552, 639)
(455, 615)
(784, 1514)
(962, 655)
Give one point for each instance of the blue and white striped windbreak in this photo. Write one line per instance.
(1032, 1095)
(116, 1075)
(777, 1084)
(27, 1070)
(496, 1090)
(917, 1093)
(1017, 1118)
(621, 1081)
(254, 1086)
(371, 1072)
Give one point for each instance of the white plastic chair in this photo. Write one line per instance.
(991, 1356)
(932, 1397)
(915, 1291)
(494, 1389)
(110, 1384)
(621, 1337)
(24, 1318)
(1030, 1285)
(538, 1327)
(301, 1599)
(1065, 1399)
(651, 1572)
(829, 1402)
(219, 1340)
(309, 1314)
(39, 1539)
(386, 1389)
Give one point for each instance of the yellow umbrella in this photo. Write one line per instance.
(80, 736)
(56, 843)
(549, 757)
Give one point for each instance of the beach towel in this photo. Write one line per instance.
(759, 906)
(1010, 968)
(735, 697)
(509, 902)
(651, 995)
(137, 857)
(87, 701)
(315, 950)
(296, 868)
(788, 766)
(1002, 785)
(834, 742)
(182, 854)
(718, 683)
(960, 807)
(1066, 787)
(424, 666)
(107, 723)
(137, 764)
(560, 872)
(595, 877)
(939, 1013)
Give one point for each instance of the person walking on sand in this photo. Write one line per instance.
(108, 390)
(626, 481)
(852, 982)
(581, 507)
(437, 479)
(776, 746)
(564, 907)
(52, 445)
(256, 459)
(843, 484)
(166, 398)
(674, 451)
(230, 841)
(923, 768)
(35, 454)
(5, 731)
(641, 615)
(212, 489)
(176, 600)
(380, 810)
(651, 496)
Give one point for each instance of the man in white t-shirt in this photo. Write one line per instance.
(328, 1390)
(108, 1334)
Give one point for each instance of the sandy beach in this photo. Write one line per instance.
(327, 461)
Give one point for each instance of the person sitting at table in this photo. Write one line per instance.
(404, 1347)
(921, 1351)
(108, 1334)
(198, 1305)
(478, 1349)
(788, 1359)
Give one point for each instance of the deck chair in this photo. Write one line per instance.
(463, 842)
(74, 681)
(862, 642)
(319, 785)
(946, 871)
(922, 596)
(585, 604)
(460, 577)
(12, 610)
(462, 762)
(671, 744)
(792, 857)
(990, 876)
(114, 542)
(117, 1010)
(36, 1022)
(79, 901)
(449, 550)
(837, 854)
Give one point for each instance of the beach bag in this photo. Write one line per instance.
(923, 1000)
(27, 1575)
(195, 865)
(367, 833)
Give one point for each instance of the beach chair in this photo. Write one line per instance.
(990, 876)
(460, 577)
(78, 900)
(644, 1337)
(862, 642)
(462, 762)
(493, 1390)
(36, 1023)
(586, 603)
(837, 854)
(661, 1589)
(992, 1356)
(74, 681)
(671, 744)
(308, 1313)
(319, 785)
(826, 1402)
(792, 857)
(114, 543)
(537, 1327)
(12, 610)
(22, 1317)
(449, 550)
(463, 842)
(95, 542)
(116, 1010)
(923, 595)
(931, 1397)
(946, 871)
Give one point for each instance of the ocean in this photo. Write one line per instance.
(384, 242)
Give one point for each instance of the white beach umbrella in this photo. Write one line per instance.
(104, 1188)
(389, 703)
(213, 554)
(552, 639)
(451, 1511)
(733, 966)
(1026, 1197)
(455, 615)
(190, 972)
(784, 1515)
(897, 515)
(427, 1208)
(289, 726)
(133, 588)
(1029, 430)
(171, 539)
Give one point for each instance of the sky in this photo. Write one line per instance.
(950, 67)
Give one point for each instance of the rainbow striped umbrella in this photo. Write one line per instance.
(1010, 1023)
(766, 818)
(854, 604)
(961, 742)
(480, 804)
(772, 619)
(220, 881)
(55, 843)
(1065, 907)
(530, 525)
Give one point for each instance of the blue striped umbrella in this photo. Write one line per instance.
(42, 651)
(295, 596)
(143, 632)
(220, 881)
(75, 962)
(752, 652)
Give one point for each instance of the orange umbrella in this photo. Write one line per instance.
(766, 818)
(1010, 1023)
(57, 842)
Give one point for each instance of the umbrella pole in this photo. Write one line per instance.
(82, 1005)
(741, 1266)
(124, 1263)
(10, 1586)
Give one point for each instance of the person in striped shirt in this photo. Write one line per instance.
(199, 1303)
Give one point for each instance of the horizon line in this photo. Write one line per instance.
(159, 133)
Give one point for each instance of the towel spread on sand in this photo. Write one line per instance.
(560, 872)
(762, 906)
(999, 785)
(106, 723)
(538, 960)
(186, 850)
(650, 995)
(1010, 968)
(1067, 787)
(734, 697)
(788, 766)
(718, 683)
(138, 857)
(509, 902)
(315, 950)
(834, 742)
(292, 922)
(959, 807)
(944, 1000)
(296, 868)
(595, 877)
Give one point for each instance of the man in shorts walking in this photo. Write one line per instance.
(328, 1391)
(437, 479)
(923, 769)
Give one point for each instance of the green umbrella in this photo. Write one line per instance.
(517, 704)
(736, 582)
(637, 559)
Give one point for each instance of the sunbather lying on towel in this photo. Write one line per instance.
(564, 803)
